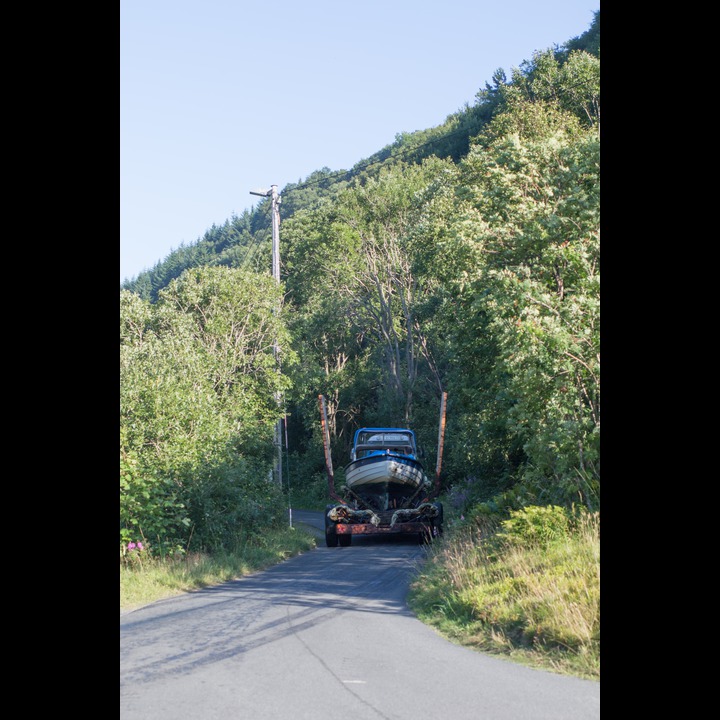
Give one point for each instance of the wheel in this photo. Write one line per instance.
(331, 536)
(437, 521)
(344, 540)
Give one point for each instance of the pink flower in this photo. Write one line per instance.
(139, 546)
(131, 546)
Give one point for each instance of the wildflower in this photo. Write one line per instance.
(131, 546)
(139, 546)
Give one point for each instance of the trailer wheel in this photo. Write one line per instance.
(345, 540)
(437, 521)
(331, 536)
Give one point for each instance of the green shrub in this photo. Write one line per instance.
(535, 525)
(231, 502)
(150, 508)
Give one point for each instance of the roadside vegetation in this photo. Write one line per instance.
(145, 578)
(527, 588)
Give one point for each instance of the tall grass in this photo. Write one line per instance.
(535, 600)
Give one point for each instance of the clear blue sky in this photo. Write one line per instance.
(221, 97)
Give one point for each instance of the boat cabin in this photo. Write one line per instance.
(372, 441)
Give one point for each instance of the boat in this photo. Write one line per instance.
(384, 466)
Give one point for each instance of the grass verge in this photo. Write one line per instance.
(536, 603)
(146, 580)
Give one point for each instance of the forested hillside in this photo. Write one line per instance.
(461, 259)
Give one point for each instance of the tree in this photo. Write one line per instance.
(198, 381)
(382, 293)
(530, 192)
(570, 83)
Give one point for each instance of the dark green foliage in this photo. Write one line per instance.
(232, 502)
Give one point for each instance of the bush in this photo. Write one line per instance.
(150, 507)
(535, 525)
(227, 504)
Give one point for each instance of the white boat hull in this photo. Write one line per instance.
(383, 472)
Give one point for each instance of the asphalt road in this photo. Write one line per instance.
(322, 636)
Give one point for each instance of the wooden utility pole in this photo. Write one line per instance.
(326, 445)
(276, 200)
(441, 441)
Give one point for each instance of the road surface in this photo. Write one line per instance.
(324, 636)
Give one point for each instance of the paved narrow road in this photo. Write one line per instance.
(322, 636)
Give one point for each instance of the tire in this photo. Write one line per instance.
(437, 521)
(345, 540)
(331, 536)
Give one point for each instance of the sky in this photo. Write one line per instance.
(219, 98)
